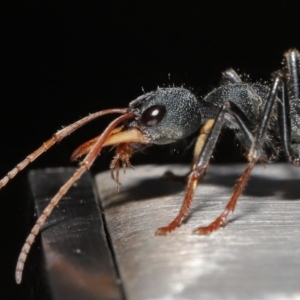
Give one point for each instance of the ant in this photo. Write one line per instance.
(264, 128)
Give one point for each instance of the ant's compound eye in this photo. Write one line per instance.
(153, 115)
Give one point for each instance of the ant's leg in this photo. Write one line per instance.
(284, 121)
(201, 164)
(199, 168)
(57, 137)
(242, 121)
(253, 156)
(204, 132)
(292, 58)
(230, 76)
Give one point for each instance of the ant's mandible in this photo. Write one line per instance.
(265, 120)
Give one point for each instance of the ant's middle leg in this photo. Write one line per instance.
(254, 155)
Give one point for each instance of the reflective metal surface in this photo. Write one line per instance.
(257, 255)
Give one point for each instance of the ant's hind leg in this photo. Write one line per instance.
(289, 91)
(292, 59)
(285, 123)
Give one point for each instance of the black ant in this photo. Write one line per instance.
(164, 116)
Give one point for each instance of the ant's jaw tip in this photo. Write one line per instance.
(131, 135)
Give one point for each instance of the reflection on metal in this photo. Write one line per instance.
(78, 261)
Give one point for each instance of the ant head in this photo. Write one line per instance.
(163, 116)
(166, 115)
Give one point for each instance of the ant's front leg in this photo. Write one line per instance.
(124, 152)
(199, 167)
(228, 76)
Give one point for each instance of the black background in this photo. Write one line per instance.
(61, 60)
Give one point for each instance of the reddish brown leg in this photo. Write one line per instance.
(185, 208)
(121, 159)
(220, 221)
(199, 167)
(253, 156)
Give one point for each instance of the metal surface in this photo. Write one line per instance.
(257, 255)
(78, 261)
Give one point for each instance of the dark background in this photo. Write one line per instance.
(61, 60)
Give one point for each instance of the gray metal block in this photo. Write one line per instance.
(78, 260)
(256, 256)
